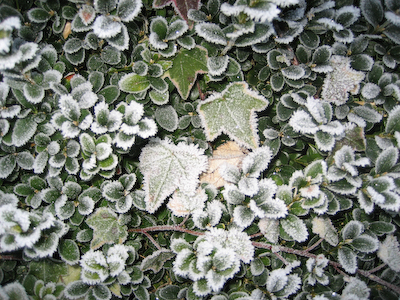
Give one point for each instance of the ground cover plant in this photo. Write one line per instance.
(193, 149)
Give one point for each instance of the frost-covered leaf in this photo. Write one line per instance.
(217, 65)
(293, 72)
(386, 160)
(38, 15)
(372, 11)
(13, 291)
(128, 10)
(106, 228)
(106, 27)
(365, 243)
(185, 67)
(69, 251)
(348, 259)
(232, 112)
(76, 289)
(389, 252)
(352, 230)
(156, 261)
(133, 83)
(166, 167)
(34, 93)
(325, 229)
(393, 121)
(23, 130)
(295, 228)
(341, 81)
(211, 33)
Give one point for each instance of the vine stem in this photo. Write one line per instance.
(274, 248)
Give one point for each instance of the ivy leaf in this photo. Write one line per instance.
(232, 112)
(156, 261)
(166, 167)
(106, 228)
(185, 67)
(181, 6)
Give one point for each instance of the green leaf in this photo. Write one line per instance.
(185, 67)
(47, 270)
(167, 118)
(348, 259)
(110, 93)
(156, 261)
(386, 160)
(293, 72)
(393, 121)
(23, 130)
(380, 228)
(260, 34)
(309, 39)
(159, 98)
(211, 33)
(372, 11)
(141, 293)
(101, 292)
(352, 230)
(34, 93)
(7, 165)
(277, 82)
(133, 83)
(69, 251)
(167, 167)
(76, 289)
(295, 228)
(365, 243)
(169, 292)
(232, 112)
(38, 15)
(181, 7)
(106, 228)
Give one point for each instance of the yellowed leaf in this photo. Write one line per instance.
(67, 30)
(230, 153)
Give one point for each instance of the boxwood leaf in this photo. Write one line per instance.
(7, 165)
(386, 160)
(167, 118)
(76, 289)
(295, 228)
(156, 261)
(372, 11)
(309, 39)
(232, 112)
(34, 93)
(211, 33)
(159, 98)
(185, 67)
(393, 121)
(106, 228)
(127, 10)
(23, 130)
(365, 243)
(348, 259)
(38, 15)
(133, 83)
(101, 292)
(69, 251)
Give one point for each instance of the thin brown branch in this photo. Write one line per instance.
(314, 245)
(166, 228)
(304, 253)
(152, 240)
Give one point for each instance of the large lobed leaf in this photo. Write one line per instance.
(106, 228)
(166, 167)
(232, 112)
(185, 67)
